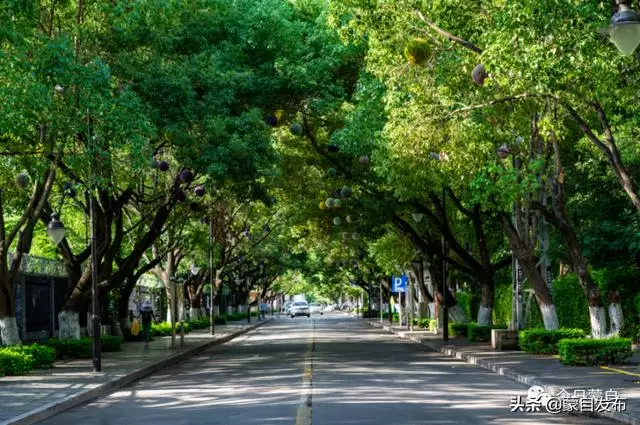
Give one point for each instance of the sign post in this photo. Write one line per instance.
(399, 285)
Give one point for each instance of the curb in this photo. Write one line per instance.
(51, 409)
(500, 370)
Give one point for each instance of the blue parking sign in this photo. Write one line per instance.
(399, 283)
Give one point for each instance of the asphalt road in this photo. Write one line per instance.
(326, 370)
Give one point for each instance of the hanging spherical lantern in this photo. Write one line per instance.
(417, 51)
(281, 116)
(322, 206)
(22, 180)
(479, 74)
(186, 176)
(337, 221)
(329, 203)
(332, 172)
(337, 203)
(364, 160)
(181, 197)
(346, 192)
(272, 120)
(163, 166)
(355, 236)
(349, 219)
(296, 129)
(199, 191)
(154, 164)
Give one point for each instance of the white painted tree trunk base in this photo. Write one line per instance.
(69, 325)
(598, 318)
(485, 316)
(549, 316)
(616, 318)
(457, 314)
(431, 307)
(9, 334)
(116, 329)
(195, 313)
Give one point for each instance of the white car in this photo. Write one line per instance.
(299, 308)
(315, 308)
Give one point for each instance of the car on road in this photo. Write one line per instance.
(316, 308)
(299, 308)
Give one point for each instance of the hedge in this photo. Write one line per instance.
(83, 348)
(594, 351)
(481, 333)
(43, 356)
(15, 363)
(110, 343)
(458, 329)
(542, 341)
(164, 328)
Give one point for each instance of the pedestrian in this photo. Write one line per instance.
(263, 310)
(146, 316)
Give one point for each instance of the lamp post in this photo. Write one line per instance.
(445, 308)
(212, 321)
(56, 232)
(624, 29)
(443, 157)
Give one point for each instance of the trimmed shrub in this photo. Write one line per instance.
(433, 325)
(481, 333)
(110, 343)
(236, 316)
(164, 328)
(43, 356)
(542, 341)
(72, 348)
(219, 320)
(15, 363)
(83, 348)
(458, 329)
(204, 322)
(594, 351)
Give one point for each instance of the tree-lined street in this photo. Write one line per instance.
(466, 172)
(359, 375)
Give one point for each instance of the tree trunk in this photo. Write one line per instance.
(485, 310)
(615, 314)
(9, 334)
(527, 260)
(456, 313)
(579, 262)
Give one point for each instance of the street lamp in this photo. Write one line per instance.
(55, 229)
(417, 215)
(624, 30)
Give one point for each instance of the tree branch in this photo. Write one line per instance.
(464, 43)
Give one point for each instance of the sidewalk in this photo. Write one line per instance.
(545, 371)
(43, 393)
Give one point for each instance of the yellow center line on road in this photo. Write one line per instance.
(304, 409)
